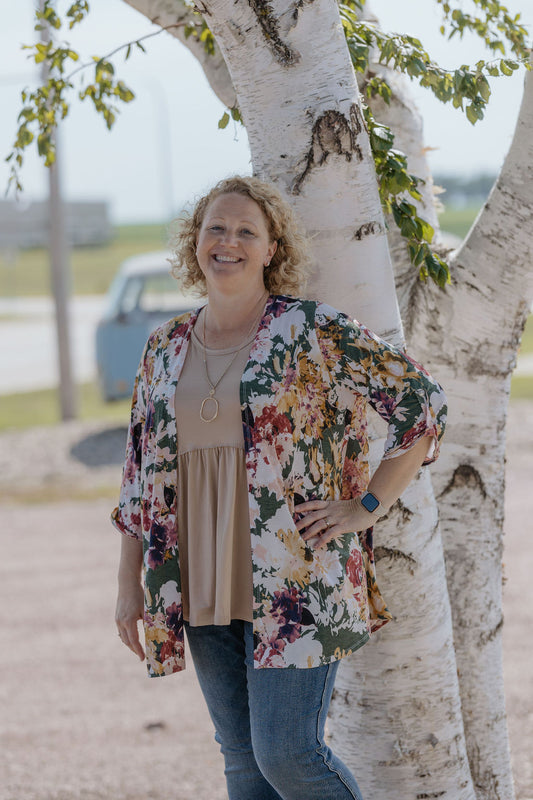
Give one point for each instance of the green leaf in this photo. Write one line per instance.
(426, 229)
(472, 114)
(483, 88)
(224, 120)
(381, 138)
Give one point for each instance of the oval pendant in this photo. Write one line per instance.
(215, 415)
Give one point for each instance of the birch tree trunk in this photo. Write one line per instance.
(484, 315)
(471, 475)
(494, 317)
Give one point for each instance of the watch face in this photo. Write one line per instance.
(370, 501)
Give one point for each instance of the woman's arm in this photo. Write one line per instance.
(130, 600)
(394, 475)
(323, 520)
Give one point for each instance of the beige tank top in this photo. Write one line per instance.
(213, 517)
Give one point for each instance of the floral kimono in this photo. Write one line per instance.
(304, 393)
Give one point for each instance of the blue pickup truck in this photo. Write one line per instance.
(142, 296)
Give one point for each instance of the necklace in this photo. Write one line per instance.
(211, 397)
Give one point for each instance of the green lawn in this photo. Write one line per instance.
(92, 267)
(25, 409)
(522, 387)
(458, 220)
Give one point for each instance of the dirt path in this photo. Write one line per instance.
(79, 720)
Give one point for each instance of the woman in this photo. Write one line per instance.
(245, 480)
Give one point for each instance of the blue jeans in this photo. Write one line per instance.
(269, 722)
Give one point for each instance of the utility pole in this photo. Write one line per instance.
(59, 270)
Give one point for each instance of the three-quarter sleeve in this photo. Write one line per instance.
(127, 516)
(402, 392)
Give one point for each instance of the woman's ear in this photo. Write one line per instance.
(271, 250)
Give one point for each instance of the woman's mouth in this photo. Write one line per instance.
(226, 259)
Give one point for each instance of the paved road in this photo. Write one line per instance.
(28, 349)
(28, 358)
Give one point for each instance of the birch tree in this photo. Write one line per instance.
(419, 712)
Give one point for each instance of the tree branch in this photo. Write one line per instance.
(167, 13)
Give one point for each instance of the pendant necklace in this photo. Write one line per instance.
(211, 397)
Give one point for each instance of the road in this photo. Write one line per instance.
(28, 357)
(28, 349)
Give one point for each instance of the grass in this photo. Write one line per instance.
(458, 220)
(522, 387)
(92, 267)
(26, 409)
(58, 493)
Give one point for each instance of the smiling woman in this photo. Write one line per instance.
(246, 499)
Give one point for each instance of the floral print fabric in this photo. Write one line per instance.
(304, 392)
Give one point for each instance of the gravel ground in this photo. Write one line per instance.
(80, 721)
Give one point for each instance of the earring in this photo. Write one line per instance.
(267, 263)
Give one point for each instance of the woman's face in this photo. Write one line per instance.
(233, 244)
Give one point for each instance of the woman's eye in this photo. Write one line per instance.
(246, 232)
(215, 227)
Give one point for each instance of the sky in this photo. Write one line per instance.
(166, 148)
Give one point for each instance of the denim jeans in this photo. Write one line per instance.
(269, 722)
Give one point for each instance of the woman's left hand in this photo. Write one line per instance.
(324, 520)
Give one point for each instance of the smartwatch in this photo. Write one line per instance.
(371, 503)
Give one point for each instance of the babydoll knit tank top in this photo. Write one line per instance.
(213, 518)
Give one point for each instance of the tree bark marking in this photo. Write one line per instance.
(332, 134)
(465, 476)
(394, 554)
(368, 229)
(269, 25)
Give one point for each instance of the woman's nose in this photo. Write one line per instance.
(229, 237)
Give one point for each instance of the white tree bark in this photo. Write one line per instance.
(474, 573)
(483, 316)
(297, 93)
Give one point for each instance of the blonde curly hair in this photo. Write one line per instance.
(288, 268)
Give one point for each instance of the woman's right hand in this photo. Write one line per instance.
(129, 610)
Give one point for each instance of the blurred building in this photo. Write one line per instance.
(24, 225)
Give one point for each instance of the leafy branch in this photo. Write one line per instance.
(493, 28)
(395, 183)
(201, 31)
(466, 88)
(44, 107)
